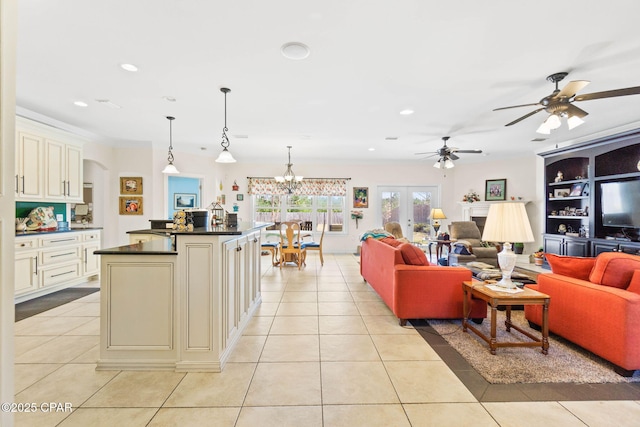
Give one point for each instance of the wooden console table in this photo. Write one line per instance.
(494, 299)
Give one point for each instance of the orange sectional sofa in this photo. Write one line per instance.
(412, 288)
(595, 303)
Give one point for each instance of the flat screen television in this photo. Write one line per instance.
(620, 203)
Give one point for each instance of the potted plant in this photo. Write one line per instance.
(538, 257)
(518, 248)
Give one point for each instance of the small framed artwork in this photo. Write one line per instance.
(184, 200)
(239, 197)
(585, 190)
(561, 192)
(360, 197)
(495, 189)
(576, 189)
(130, 205)
(130, 185)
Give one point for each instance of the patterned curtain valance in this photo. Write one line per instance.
(308, 187)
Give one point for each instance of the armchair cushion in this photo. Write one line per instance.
(571, 266)
(484, 252)
(634, 285)
(614, 269)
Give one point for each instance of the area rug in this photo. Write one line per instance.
(565, 363)
(47, 302)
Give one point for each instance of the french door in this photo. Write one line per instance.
(409, 206)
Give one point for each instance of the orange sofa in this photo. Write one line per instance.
(411, 288)
(595, 303)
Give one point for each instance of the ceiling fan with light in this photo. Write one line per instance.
(560, 103)
(447, 155)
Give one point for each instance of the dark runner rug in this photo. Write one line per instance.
(565, 363)
(47, 302)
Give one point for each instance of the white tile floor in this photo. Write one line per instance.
(322, 350)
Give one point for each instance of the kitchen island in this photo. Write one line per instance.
(179, 303)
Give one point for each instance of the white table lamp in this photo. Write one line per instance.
(507, 222)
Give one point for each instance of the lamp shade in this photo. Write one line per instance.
(225, 157)
(507, 222)
(436, 213)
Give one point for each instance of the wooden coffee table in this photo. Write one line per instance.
(473, 289)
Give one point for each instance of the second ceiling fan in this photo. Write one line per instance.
(560, 103)
(447, 155)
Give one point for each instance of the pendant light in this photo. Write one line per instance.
(170, 168)
(225, 156)
(289, 182)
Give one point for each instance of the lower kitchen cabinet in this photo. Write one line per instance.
(47, 262)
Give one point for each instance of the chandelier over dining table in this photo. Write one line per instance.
(289, 182)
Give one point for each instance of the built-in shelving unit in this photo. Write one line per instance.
(573, 175)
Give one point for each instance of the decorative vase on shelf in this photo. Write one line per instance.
(21, 224)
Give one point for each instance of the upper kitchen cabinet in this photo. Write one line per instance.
(48, 163)
(29, 158)
(63, 171)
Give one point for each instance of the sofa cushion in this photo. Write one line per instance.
(412, 255)
(391, 241)
(614, 269)
(634, 285)
(572, 266)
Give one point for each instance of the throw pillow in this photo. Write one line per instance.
(634, 285)
(614, 269)
(391, 241)
(572, 266)
(412, 255)
(461, 249)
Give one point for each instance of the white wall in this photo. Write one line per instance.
(8, 30)
(522, 174)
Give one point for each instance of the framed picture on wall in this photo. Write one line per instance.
(239, 197)
(130, 205)
(184, 200)
(360, 197)
(495, 189)
(130, 185)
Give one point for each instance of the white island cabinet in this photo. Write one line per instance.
(179, 304)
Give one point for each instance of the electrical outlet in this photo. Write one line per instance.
(59, 217)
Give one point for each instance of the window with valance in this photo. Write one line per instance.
(308, 187)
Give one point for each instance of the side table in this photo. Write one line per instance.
(439, 246)
(494, 298)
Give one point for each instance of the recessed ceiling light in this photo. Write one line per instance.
(241, 136)
(80, 104)
(372, 149)
(129, 67)
(391, 138)
(295, 50)
(406, 112)
(169, 98)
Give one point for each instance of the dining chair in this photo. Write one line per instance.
(272, 247)
(291, 248)
(316, 246)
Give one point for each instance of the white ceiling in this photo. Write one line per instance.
(451, 62)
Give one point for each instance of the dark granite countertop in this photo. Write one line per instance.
(153, 247)
(243, 227)
(60, 230)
